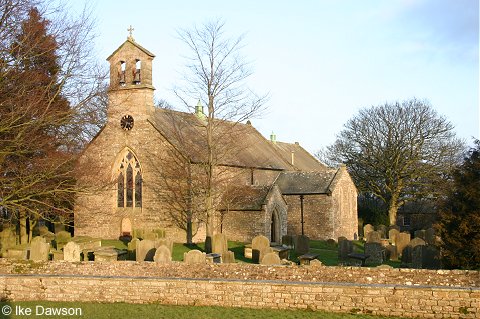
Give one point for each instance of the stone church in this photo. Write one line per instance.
(273, 188)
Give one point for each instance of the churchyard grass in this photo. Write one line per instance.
(146, 311)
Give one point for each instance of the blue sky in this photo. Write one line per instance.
(320, 61)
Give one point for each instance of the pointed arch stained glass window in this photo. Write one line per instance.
(129, 182)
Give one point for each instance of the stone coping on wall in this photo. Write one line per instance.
(238, 271)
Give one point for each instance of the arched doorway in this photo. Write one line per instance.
(275, 228)
(126, 229)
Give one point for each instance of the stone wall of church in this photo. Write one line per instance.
(318, 216)
(96, 211)
(243, 225)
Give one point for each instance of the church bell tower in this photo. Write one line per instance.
(131, 90)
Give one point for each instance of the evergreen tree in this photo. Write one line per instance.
(459, 225)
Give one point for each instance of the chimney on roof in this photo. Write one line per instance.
(293, 158)
(273, 138)
(199, 110)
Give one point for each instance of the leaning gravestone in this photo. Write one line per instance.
(392, 235)
(345, 247)
(219, 244)
(374, 237)
(271, 259)
(162, 255)
(376, 252)
(71, 251)
(303, 245)
(145, 250)
(194, 257)
(39, 249)
(366, 229)
(401, 241)
(259, 243)
(382, 229)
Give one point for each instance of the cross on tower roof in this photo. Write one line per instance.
(130, 30)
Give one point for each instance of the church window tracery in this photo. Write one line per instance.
(129, 182)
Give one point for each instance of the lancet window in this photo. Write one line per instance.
(129, 182)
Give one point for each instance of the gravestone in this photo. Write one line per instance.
(259, 243)
(8, 240)
(229, 257)
(416, 242)
(345, 247)
(194, 257)
(72, 251)
(315, 263)
(391, 252)
(109, 254)
(39, 249)
(392, 235)
(62, 238)
(43, 230)
(426, 257)
(374, 237)
(132, 249)
(145, 250)
(150, 236)
(430, 237)
(366, 229)
(382, 229)
(303, 245)
(401, 241)
(407, 253)
(271, 259)
(219, 244)
(419, 234)
(376, 252)
(167, 242)
(162, 255)
(394, 227)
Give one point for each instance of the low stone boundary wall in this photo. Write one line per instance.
(386, 299)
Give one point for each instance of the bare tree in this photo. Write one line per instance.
(216, 74)
(398, 152)
(47, 90)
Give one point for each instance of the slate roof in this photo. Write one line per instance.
(245, 197)
(302, 160)
(303, 183)
(237, 144)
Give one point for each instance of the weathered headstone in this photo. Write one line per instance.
(419, 234)
(392, 235)
(391, 252)
(366, 229)
(430, 237)
(303, 244)
(401, 241)
(382, 229)
(345, 247)
(219, 244)
(162, 255)
(167, 242)
(259, 243)
(7, 240)
(416, 242)
(109, 254)
(374, 237)
(194, 257)
(145, 250)
(150, 236)
(39, 249)
(315, 263)
(407, 253)
(229, 257)
(72, 251)
(271, 259)
(376, 252)
(394, 227)
(43, 230)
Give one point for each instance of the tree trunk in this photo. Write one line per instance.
(23, 227)
(393, 206)
(210, 169)
(189, 231)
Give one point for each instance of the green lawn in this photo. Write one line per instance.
(328, 251)
(122, 310)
